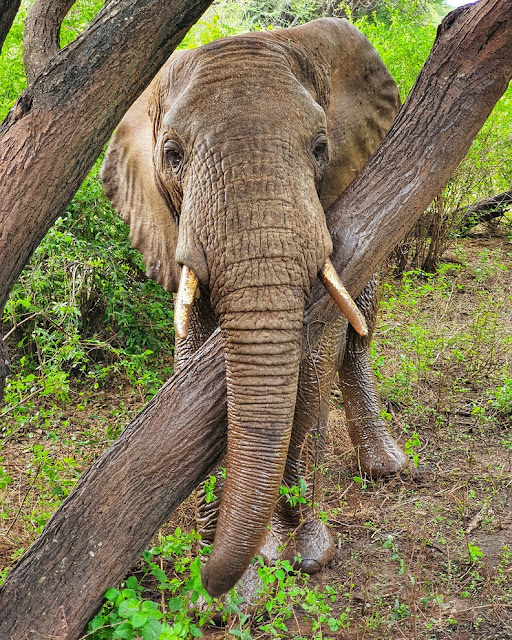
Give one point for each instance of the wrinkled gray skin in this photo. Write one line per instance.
(226, 164)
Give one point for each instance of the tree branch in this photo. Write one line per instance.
(42, 34)
(484, 210)
(131, 490)
(8, 11)
(59, 125)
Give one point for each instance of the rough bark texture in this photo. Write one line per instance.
(104, 525)
(57, 128)
(468, 70)
(42, 34)
(8, 10)
(133, 488)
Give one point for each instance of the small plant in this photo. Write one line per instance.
(389, 543)
(474, 552)
(209, 489)
(296, 494)
(411, 447)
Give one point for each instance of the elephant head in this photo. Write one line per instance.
(223, 169)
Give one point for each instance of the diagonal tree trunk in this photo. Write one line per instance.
(131, 490)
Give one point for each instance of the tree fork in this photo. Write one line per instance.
(42, 34)
(167, 450)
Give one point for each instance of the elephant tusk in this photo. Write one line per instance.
(184, 301)
(341, 297)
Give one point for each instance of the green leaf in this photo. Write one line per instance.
(97, 622)
(150, 608)
(160, 575)
(132, 583)
(280, 574)
(152, 630)
(128, 607)
(124, 631)
(112, 594)
(139, 620)
(175, 604)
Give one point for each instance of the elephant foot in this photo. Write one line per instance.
(377, 453)
(311, 540)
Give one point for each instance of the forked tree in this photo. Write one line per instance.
(66, 115)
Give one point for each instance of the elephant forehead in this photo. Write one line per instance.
(243, 92)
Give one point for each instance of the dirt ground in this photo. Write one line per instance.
(424, 555)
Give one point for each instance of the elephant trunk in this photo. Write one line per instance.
(262, 367)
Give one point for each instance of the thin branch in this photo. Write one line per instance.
(42, 34)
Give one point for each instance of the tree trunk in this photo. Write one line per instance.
(8, 11)
(42, 35)
(131, 490)
(104, 525)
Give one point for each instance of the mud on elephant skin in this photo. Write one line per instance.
(223, 169)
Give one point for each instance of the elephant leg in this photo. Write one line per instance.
(202, 325)
(296, 523)
(378, 454)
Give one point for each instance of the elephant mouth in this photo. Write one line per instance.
(188, 291)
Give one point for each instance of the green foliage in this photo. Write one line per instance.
(296, 494)
(474, 553)
(84, 310)
(403, 39)
(184, 608)
(78, 18)
(503, 397)
(411, 446)
(12, 73)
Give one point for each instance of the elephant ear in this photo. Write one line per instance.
(129, 181)
(363, 102)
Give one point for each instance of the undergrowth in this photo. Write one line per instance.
(181, 608)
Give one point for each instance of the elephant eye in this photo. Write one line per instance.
(173, 154)
(320, 148)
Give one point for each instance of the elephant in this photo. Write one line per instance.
(223, 169)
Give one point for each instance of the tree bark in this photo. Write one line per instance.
(8, 11)
(167, 450)
(60, 123)
(42, 34)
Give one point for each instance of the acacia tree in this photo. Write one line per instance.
(120, 502)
